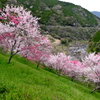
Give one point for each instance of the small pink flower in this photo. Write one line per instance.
(2, 18)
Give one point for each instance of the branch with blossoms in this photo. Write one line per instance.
(19, 31)
(92, 69)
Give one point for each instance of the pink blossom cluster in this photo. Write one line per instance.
(20, 33)
(89, 67)
(92, 67)
(65, 65)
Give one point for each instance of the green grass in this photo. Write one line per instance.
(20, 80)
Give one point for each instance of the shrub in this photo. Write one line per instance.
(94, 43)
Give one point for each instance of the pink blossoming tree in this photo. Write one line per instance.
(39, 52)
(92, 69)
(64, 65)
(19, 30)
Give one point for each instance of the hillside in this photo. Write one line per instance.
(20, 80)
(62, 20)
(54, 12)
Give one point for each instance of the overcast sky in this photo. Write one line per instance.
(91, 5)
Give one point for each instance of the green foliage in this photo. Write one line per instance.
(3, 1)
(45, 15)
(66, 41)
(20, 80)
(90, 19)
(1, 5)
(96, 37)
(94, 43)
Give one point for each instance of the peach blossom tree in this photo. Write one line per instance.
(19, 30)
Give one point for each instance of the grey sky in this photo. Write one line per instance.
(91, 5)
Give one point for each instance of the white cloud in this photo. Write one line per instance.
(91, 5)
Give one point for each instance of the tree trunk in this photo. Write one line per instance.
(9, 60)
(72, 78)
(97, 88)
(59, 72)
(38, 65)
(11, 55)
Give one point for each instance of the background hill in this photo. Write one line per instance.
(62, 20)
(96, 13)
(54, 12)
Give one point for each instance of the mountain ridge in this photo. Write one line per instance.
(64, 13)
(62, 20)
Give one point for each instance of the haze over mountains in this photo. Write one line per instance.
(97, 13)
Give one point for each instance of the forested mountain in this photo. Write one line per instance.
(55, 12)
(62, 20)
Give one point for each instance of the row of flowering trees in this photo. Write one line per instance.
(89, 67)
(20, 34)
(92, 69)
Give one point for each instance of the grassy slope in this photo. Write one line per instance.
(22, 81)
